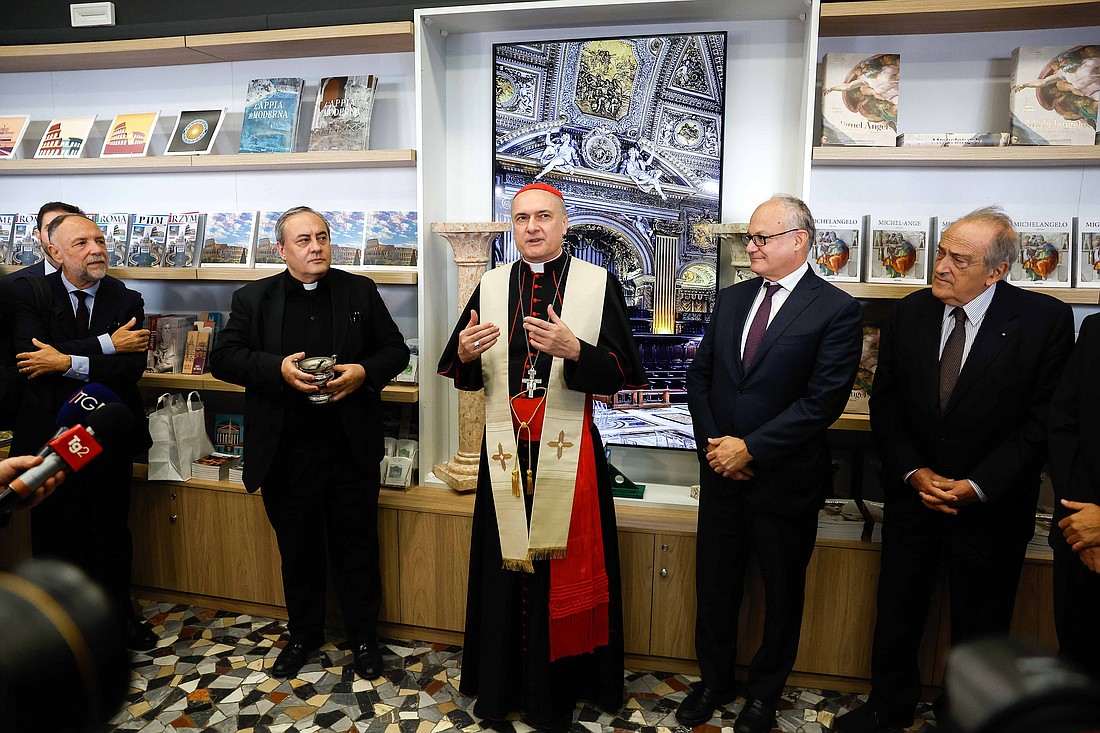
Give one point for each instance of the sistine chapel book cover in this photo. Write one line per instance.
(837, 251)
(1088, 250)
(341, 116)
(1045, 252)
(271, 114)
(859, 99)
(899, 249)
(1054, 95)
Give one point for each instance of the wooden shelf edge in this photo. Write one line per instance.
(852, 421)
(329, 159)
(1013, 156)
(342, 40)
(907, 17)
(394, 392)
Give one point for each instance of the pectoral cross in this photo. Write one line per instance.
(561, 444)
(532, 382)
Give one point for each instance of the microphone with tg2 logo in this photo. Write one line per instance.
(73, 447)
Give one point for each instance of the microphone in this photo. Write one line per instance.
(84, 401)
(70, 450)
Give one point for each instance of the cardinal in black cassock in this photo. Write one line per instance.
(542, 636)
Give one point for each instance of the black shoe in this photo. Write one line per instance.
(140, 635)
(870, 718)
(291, 658)
(757, 716)
(698, 707)
(367, 660)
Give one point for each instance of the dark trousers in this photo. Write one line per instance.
(729, 529)
(86, 522)
(983, 552)
(320, 500)
(1076, 600)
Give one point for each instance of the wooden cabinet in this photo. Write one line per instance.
(434, 565)
(636, 572)
(672, 631)
(207, 542)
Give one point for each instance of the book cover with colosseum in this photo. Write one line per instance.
(129, 135)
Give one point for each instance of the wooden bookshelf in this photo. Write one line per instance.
(852, 421)
(339, 40)
(906, 17)
(381, 275)
(393, 392)
(1015, 156)
(326, 160)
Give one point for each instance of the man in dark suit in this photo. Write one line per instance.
(1074, 432)
(773, 371)
(959, 411)
(46, 214)
(316, 462)
(61, 347)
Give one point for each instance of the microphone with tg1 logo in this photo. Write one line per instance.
(70, 450)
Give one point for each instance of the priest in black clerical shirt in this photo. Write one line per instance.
(544, 611)
(316, 463)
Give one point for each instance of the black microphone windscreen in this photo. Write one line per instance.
(89, 398)
(109, 422)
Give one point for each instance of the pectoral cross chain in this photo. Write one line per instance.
(532, 382)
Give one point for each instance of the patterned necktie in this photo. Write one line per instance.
(81, 314)
(759, 326)
(951, 361)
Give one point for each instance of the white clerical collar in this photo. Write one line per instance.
(310, 286)
(540, 267)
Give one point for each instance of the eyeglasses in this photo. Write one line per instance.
(762, 239)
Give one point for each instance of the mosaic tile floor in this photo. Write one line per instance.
(210, 673)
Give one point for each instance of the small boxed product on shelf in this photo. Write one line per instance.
(859, 99)
(1087, 255)
(899, 250)
(836, 253)
(953, 139)
(1045, 253)
(1054, 95)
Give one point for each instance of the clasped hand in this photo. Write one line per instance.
(349, 377)
(942, 494)
(1082, 532)
(730, 457)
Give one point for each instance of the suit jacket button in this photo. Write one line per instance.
(740, 391)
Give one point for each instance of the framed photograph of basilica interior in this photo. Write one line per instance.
(631, 131)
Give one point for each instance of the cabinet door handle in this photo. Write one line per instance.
(664, 548)
(173, 518)
(664, 573)
(173, 496)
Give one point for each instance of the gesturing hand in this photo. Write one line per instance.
(552, 337)
(476, 338)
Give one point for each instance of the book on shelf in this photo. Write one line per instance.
(25, 249)
(347, 231)
(1054, 95)
(229, 433)
(953, 139)
(899, 251)
(1045, 252)
(65, 137)
(341, 115)
(147, 240)
(12, 130)
(116, 229)
(202, 339)
(859, 99)
(7, 223)
(266, 253)
(837, 252)
(213, 467)
(181, 247)
(129, 135)
(271, 114)
(1088, 249)
(227, 239)
(859, 400)
(195, 132)
(167, 342)
(236, 473)
(390, 238)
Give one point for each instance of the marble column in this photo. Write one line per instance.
(470, 244)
